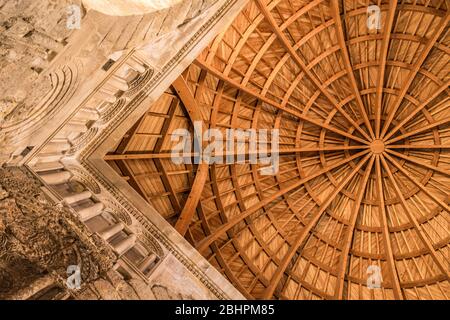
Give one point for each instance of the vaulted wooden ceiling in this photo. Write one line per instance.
(364, 173)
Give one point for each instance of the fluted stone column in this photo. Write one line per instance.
(135, 65)
(118, 83)
(111, 231)
(56, 147)
(91, 212)
(48, 166)
(75, 127)
(56, 178)
(125, 244)
(106, 95)
(87, 114)
(70, 199)
(147, 262)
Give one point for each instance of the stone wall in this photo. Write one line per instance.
(40, 239)
(47, 69)
(32, 33)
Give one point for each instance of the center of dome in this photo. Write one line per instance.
(377, 146)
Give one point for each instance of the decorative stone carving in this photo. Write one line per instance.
(31, 34)
(152, 244)
(139, 83)
(82, 140)
(80, 176)
(111, 111)
(118, 212)
(38, 237)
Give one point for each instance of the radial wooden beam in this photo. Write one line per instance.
(168, 186)
(285, 42)
(159, 164)
(220, 259)
(168, 155)
(348, 65)
(413, 72)
(126, 170)
(418, 184)
(419, 130)
(386, 234)
(418, 162)
(418, 146)
(423, 237)
(384, 51)
(123, 145)
(419, 108)
(193, 199)
(269, 101)
(342, 268)
(268, 293)
(202, 245)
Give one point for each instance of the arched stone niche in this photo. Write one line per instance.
(128, 7)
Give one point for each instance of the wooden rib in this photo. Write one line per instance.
(418, 162)
(417, 146)
(126, 170)
(168, 186)
(342, 268)
(418, 183)
(129, 135)
(419, 130)
(202, 245)
(348, 66)
(411, 115)
(413, 220)
(167, 124)
(386, 234)
(415, 68)
(228, 272)
(269, 101)
(285, 42)
(158, 163)
(383, 56)
(193, 199)
(168, 155)
(268, 293)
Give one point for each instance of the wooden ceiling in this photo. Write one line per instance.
(364, 173)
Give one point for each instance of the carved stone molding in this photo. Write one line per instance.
(111, 111)
(151, 244)
(116, 211)
(82, 141)
(139, 83)
(80, 176)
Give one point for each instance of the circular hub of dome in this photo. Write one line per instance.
(377, 146)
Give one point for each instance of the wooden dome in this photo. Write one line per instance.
(364, 175)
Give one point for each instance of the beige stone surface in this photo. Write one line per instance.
(128, 7)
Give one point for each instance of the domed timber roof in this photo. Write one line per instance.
(364, 175)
